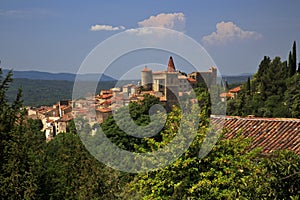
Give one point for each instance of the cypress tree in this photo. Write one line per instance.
(294, 56)
(226, 86)
(290, 65)
(293, 60)
(248, 86)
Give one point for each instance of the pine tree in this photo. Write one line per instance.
(20, 145)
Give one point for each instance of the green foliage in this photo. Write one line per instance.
(283, 172)
(46, 92)
(293, 65)
(229, 171)
(21, 148)
(72, 173)
(273, 91)
(30, 168)
(292, 95)
(139, 113)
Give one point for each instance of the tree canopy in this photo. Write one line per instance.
(272, 92)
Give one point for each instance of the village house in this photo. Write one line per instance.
(231, 94)
(55, 118)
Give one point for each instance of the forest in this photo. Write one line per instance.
(274, 91)
(30, 168)
(46, 92)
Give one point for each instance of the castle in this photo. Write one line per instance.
(172, 82)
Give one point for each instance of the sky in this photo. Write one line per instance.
(56, 36)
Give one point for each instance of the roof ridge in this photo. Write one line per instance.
(257, 118)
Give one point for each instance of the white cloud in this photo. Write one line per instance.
(98, 27)
(228, 31)
(175, 21)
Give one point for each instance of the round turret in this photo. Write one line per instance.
(147, 78)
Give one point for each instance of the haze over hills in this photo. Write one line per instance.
(44, 88)
(37, 75)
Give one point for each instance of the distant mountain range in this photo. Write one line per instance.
(236, 79)
(37, 75)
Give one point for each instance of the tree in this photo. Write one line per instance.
(72, 173)
(21, 146)
(117, 131)
(294, 59)
(264, 95)
(248, 86)
(290, 65)
(283, 170)
(230, 171)
(292, 95)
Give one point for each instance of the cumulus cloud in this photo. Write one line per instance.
(98, 27)
(175, 21)
(228, 31)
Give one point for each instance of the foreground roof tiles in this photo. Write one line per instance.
(269, 133)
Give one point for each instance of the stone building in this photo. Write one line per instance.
(172, 82)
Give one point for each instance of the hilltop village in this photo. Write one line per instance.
(166, 85)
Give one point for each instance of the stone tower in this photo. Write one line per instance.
(147, 78)
(213, 75)
(171, 84)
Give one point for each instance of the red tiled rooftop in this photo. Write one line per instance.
(106, 96)
(191, 80)
(66, 118)
(269, 133)
(107, 102)
(228, 95)
(146, 69)
(235, 90)
(104, 110)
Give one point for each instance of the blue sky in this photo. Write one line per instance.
(56, 36)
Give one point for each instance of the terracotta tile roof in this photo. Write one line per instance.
(269, 133)
(66, 118)
(129, 85)
(191, 80)
(106, 96)
(228, 95)
(65, 107)
(106, 102)
(235, 90)
(49, 121)
(104, 110)
(146, 69)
